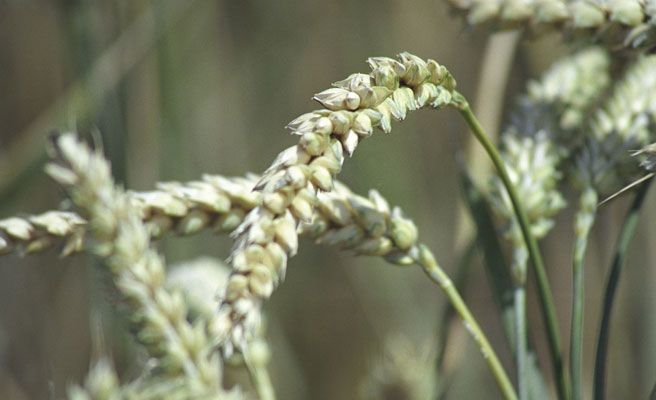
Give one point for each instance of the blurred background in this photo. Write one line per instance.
(175, 89)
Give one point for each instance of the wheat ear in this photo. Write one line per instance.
(618, 23)
(215, 202)
(353, 107)
(122, 241)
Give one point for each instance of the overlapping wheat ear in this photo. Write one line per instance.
(181, 349)
(214, 202)
(619, 23)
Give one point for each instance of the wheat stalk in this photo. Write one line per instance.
(619, 23)
(624, 122)
(120, 238)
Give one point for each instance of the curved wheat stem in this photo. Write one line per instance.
(624, 23)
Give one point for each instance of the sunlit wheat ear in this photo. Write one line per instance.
(624, 23)
(353, 107)
(367, 226)
(624, 122)
(199, 280)
(120, 238)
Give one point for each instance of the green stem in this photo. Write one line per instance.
(430, 266)
(521, 350)
(447, 314)
(260, 379)
(626, 234)
(544, 290)
(584, 220)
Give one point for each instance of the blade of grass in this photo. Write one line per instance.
(624, 239)
(584, 220)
